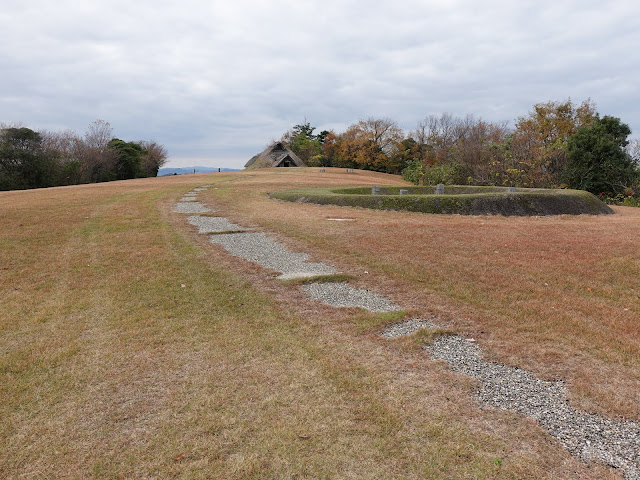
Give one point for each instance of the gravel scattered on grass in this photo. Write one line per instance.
(213, 224)
(190, 207)
(344, 295)
(407, 328)
(267, 252)
(585, 435)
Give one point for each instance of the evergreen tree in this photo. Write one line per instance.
(597, 160)
(24, 162)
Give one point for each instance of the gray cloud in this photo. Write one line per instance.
(215, 81)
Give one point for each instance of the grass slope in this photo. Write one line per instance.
(456, 199)
(130, 347)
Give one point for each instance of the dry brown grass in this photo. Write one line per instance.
(110, 368)
(558, 295)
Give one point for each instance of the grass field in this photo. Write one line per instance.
(131, 347)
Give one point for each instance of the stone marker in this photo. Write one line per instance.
(375, 190)
(404, 191)
(440, 189)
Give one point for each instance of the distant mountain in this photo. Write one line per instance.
(186, 170)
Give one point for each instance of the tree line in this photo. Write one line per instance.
(556, 145)
(37, 159)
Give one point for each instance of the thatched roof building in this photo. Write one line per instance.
(275, 155)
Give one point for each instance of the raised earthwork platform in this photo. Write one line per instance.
(455, 199)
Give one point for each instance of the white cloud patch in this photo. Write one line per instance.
(218, 80)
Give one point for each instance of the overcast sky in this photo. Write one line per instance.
(214, 81)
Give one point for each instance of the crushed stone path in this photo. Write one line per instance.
(190, 207)
(213, 224)
(344, 295)
(588, 436)
(407, 327)
(269, 253)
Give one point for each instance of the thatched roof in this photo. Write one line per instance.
(275, 155)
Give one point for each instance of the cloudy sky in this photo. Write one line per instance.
(214, 81)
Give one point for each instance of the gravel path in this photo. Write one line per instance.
(407, 328)
(267, 252)
(213, 224)
(344, 295)
(585, 435)
(588, 436)
(190, 207)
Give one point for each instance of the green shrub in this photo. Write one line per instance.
(413, 172)
(444, 173)
(628, 199)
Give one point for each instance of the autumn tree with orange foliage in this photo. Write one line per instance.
(370, 144)
(538, 146)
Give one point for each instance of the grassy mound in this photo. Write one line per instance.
(457, 199)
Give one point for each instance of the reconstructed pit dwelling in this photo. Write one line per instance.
(275, 155)
(455, 199)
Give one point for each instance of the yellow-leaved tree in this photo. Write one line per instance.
(538, 145)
